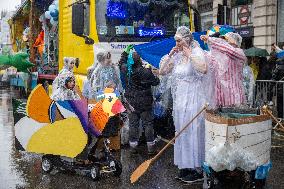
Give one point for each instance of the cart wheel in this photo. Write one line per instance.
(46, 164)
(95, 173)
(118, 168)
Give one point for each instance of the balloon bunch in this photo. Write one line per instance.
(52, 13)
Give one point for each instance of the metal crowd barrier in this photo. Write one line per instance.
(271, 93)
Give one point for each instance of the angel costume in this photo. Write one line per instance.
(188, 90)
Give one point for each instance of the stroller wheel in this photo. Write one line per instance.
(118, 168)
(46, 164)
(95, 173)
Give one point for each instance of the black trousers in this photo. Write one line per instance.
(147, 122)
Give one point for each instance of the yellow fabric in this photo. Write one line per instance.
(65, 138)
(49, 89)
(255, 70)
(79, 80)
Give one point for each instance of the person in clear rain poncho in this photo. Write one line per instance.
(227, 60)
(66, 90)
(105, 74)
(249, 84)
(68, 67)
(63, 86)
(86, 92)
(186, 67)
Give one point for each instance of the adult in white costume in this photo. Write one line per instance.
(186, 67)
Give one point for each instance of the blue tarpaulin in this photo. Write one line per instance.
(152, 52)
(280, 54)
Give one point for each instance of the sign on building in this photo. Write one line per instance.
(245, 31)
(242, 15)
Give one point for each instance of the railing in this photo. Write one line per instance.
(267, 91)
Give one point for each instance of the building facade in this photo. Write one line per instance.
(257, 21)
(205, 9)
(280, 23)
(5, 40)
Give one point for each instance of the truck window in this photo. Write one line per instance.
(86, 19)
(139, 20)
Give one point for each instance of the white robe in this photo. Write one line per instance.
(189, 96)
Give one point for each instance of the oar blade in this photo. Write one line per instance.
(139, 171)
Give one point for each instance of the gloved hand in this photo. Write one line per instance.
(128, 48)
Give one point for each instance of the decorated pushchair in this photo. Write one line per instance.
(71, 135)
(237, 148)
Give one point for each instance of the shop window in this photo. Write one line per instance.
(240, 2)
(139, 20)
(247, 42)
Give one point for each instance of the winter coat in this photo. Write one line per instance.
(138, 91)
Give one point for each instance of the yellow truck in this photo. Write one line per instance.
(86, 26)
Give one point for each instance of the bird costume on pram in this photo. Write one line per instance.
(64, 128)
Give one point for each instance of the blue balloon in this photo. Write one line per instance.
(54, 13)
(55, 18)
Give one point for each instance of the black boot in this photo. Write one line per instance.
(194, 176)
(182, 173)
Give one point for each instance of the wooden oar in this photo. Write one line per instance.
(146, 164)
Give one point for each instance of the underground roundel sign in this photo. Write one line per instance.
(244, 14)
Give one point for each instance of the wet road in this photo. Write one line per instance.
(22, 170)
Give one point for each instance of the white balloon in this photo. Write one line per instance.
(47, 15)
(51, 7)
(54, 23)
(51, 21)
(56, 3)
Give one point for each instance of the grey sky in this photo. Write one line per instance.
(9, 4)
